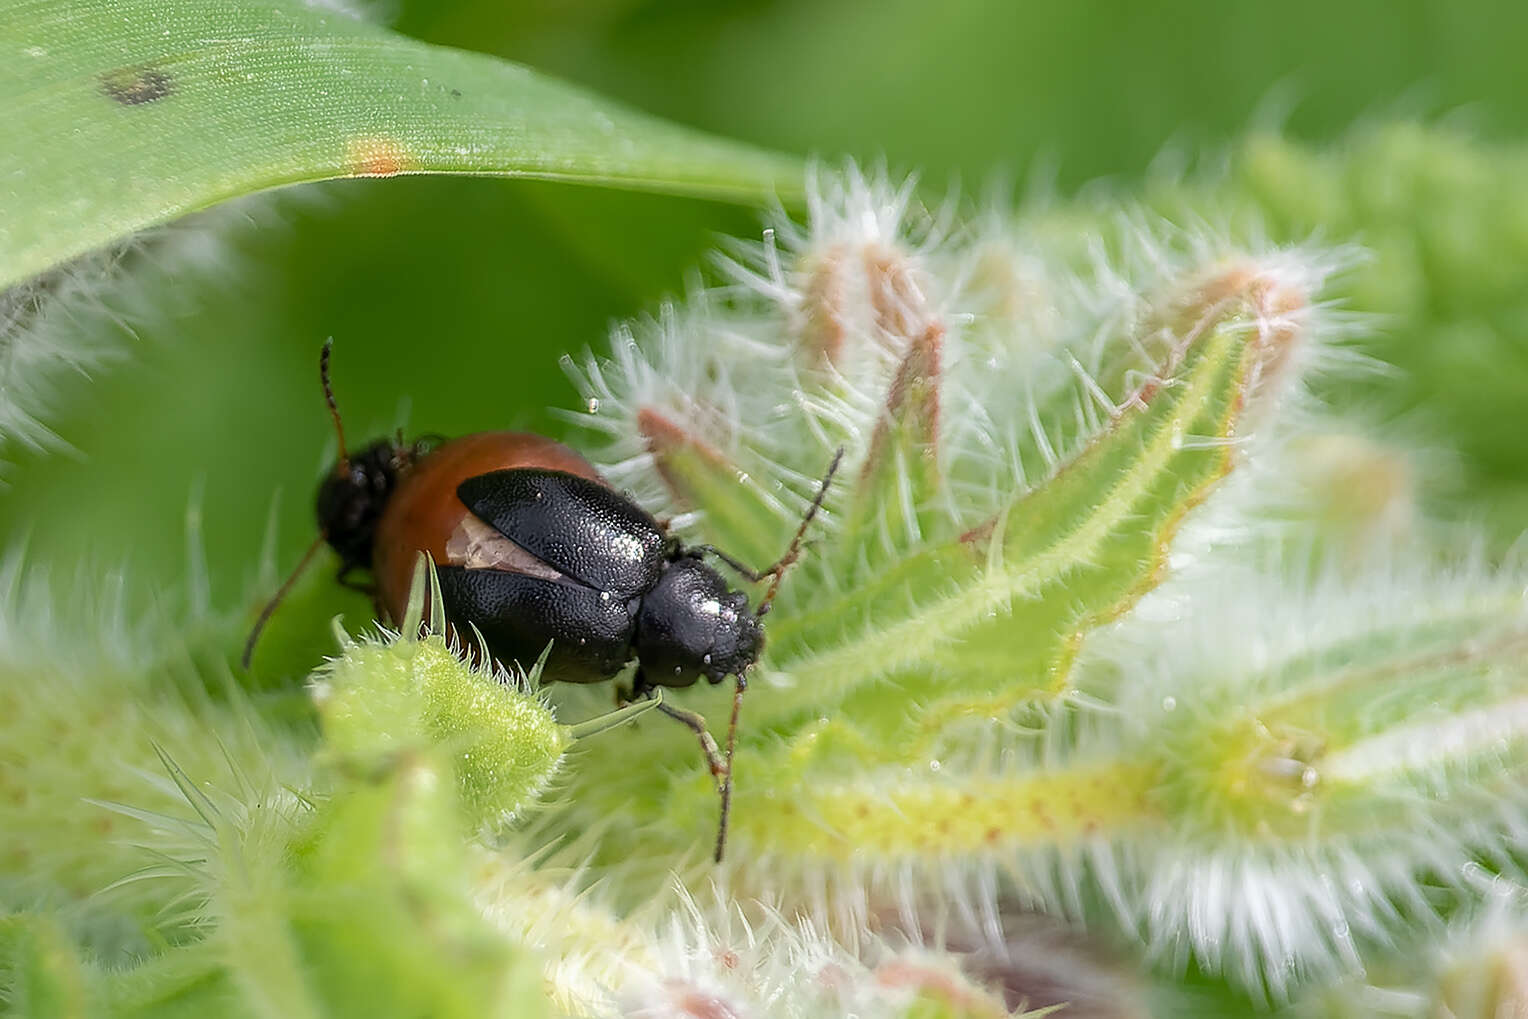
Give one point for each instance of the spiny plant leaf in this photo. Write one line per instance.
(123, 115)
(1008, 487)
(384, 888)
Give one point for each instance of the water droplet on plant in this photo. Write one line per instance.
(934, 765)
(592, 405)
(1169, 703)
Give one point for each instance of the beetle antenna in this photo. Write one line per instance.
(778, 570)
(737, 707)
(794, 552)
(270, 606)
(334, 408)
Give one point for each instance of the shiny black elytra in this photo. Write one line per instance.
(533, 549)
(606, 587)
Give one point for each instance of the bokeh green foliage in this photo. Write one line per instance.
(450, 300)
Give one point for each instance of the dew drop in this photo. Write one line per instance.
(1309, 777)
(1169, 703)
(592, 405)
(934, 765)
(706, 659)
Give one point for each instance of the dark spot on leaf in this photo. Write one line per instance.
(134, 86)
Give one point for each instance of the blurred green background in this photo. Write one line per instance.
(450, 300)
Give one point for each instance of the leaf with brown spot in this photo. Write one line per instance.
(292, 93)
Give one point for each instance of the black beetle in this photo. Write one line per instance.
(532, 548)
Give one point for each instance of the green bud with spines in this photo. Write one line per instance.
(407, 694)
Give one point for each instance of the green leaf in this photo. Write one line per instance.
(41, 973)
(382, 911)
(1076, 551)
(122, 116)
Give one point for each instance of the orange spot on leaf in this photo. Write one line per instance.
(377, 156)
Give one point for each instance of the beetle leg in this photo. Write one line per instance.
(697, 724)
(640, 687)
(370, 588)
(700, 551)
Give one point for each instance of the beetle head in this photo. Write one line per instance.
(691, 625)
(351, 499)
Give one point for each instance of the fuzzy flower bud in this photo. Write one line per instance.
(385, 699)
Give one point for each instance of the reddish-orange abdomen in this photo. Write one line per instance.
(424, 512)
